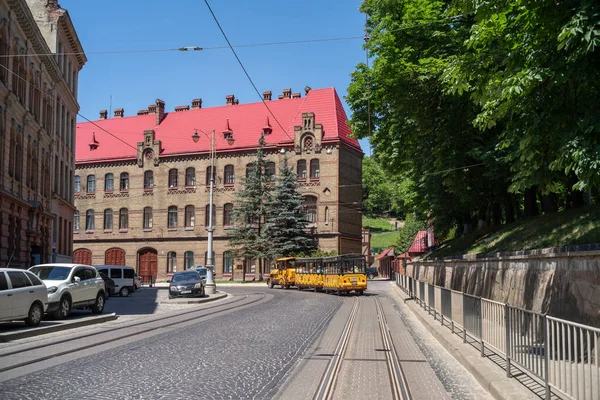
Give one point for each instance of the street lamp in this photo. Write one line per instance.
(227, 134)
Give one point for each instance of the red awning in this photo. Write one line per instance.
(385, 253)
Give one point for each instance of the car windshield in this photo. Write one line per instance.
(185, 277)
(51, 273)
(201, 272)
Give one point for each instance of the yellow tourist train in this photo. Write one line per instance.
(338, 274)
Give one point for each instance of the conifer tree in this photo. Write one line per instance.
(286, 224)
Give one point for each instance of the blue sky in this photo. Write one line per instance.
(135, 80)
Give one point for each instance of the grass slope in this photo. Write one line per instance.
(384, 240)
(383, 234)
(578, 226)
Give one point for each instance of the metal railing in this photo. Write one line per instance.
(562, 356)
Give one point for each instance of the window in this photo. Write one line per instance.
(89, 273)
(109, 183)
(116, 273)
(314, 169)
(228, 262)
(172, 217)
(171, 261)
(124, 185)
(227, 214)
(91, 184)
(214, 214)
(3, 282)
(148, 180)
(270, 171)
(310, 209)
(249, 170)
(123, 218)
(128, 274)
(89, 220)
(18, 279)
(147, 217)
(172, 178)
(308, 143)
(229, 175)
(208, 175)
(301, 170)
(190, 177)
(188, 260)
(76, 220)
(108, 219)
(77, 184)
(189, 216)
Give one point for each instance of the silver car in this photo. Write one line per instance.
(22, 296)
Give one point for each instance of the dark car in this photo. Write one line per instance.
(372, 273)
(109, 285)
(186, 284)
(203, 272)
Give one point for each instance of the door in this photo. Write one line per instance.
(82, 256)
(78, 289)
(6, 298)
(22, 293)
(114, 256)
(148, 262)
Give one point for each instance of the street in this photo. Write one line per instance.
(257, 343)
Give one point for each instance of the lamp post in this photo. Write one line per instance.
(227, 134)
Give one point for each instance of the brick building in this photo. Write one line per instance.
(141, 184)
(38, 107)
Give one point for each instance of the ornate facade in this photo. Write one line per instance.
(142, 183)
(38, 108)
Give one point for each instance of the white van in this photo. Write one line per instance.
(122, 275)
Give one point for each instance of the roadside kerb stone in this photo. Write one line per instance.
(491, 377)
(22, 334)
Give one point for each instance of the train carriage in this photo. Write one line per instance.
(309, 273)
(283, 273)
(345, 273)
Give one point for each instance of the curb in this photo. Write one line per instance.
(214, 297)
(499, 387)
(10, 336)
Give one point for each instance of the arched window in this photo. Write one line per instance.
(228, 262)
(3, 54)
(314, 169)
(208, 175)
(173, 178)
(214, 215)
(19, 157)
(123, 219)
(171, 261)
(91, 183)
(188, 260)
(270, 172)
(326, 215)
(124, 182)
(12, 152)
(148, 180)
(308, 143)
(310, 209)
(190, 177)
(228, 215)
(31, 91)
(229, 175)
(301, 170)
(108, 219)
(172, 220)
(109, 183)
(22, 78)
(190, 216)
(76, 220)
(77, 184)
(249, 169)
(147, 217)
(89, 220)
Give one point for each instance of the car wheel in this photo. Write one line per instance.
(371, 277)
(270, 284)
(98, 306)
(64, 308)
(124, 292)
(35, 315)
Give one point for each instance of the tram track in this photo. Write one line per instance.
(129, 330)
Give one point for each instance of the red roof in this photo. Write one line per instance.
(246, 122)
(419, 245)
(385, 253)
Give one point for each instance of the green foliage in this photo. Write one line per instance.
(286, 227)
(377, 224)
(384, 240)
(412, 225)
(317, 254)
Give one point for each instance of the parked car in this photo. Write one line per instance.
(22, 296)
(203, 272)
(372, 273)
(123, 277)
(109, 285)
(137, 282)
(186, 284)
(71, 286)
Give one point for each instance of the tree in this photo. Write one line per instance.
(409, 231)
(247, 237)
(286, 225)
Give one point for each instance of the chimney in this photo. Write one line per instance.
(287, 93)
(196, 103)
(160, 111)
(143, 112)
(103, 114)
(236, 101)
(280, 97)
(119, 112)
(152, 109)
(267, 95)
(181, 108)
(230, 99)
(295, 95)
(306, 90)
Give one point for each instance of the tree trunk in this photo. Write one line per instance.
(549, 202)
(530, 202)
(575, 198)
(509, 209)
(244, 270)
(467, 224)
(496, 213)
(482, 217)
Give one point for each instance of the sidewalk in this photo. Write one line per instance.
(490, 375)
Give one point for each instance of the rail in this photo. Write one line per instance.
(562, 356)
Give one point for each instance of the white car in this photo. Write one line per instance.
(71, 286)
(22, 296)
